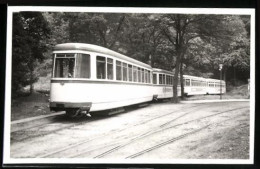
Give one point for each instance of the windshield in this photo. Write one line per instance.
(72, 66)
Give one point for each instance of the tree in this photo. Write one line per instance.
(29, 36)
(184, 31)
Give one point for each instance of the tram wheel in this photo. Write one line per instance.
(72, 112)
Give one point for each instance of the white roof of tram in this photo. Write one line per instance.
(156, 70)
(98, 49)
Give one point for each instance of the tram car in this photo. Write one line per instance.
(199, 86)
(194, 85)
(90, 78)
(163, 82)
(214, 86)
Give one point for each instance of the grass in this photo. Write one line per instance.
(35, 104)
(29, 106)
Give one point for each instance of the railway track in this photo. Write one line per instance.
(85, 142)
(171, 140)
(115, 146)
(162, 128)
(50, 125)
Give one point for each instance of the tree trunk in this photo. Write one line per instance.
(179, 47)
(31, 88)
(175, 81)
(235, 81)
(31, 72)
(181, 80)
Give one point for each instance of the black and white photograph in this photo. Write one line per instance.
(129, 85)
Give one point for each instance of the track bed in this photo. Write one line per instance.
(159, 131)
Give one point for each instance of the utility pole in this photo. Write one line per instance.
(220, 69)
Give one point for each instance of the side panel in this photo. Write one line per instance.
(195, 90)
(164, 91)
(101, 95)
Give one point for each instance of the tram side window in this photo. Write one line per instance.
(124, 72)
(82, 69)
(130, 71)
(193, 83)
(110, 74)
(146, 76)
(64, 67)
(135, 73)
(149, 76)
(163, 79)
(160, 79)
(101, 67)
(139, 74)
(118, 70)
(154, 78)
(142, 71)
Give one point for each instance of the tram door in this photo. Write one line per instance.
(164, 86)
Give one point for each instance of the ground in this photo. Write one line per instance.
(159, 131)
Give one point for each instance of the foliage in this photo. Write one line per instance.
(29, 39)
(185, 43)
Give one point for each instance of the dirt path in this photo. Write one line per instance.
(158, 131)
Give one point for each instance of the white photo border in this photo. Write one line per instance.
(7, 117)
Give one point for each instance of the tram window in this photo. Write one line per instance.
(139, 74)
(124, 72)
(149, 76)
(142, 72)
(187, 82)
(101, 67)
(193, 83)
(160, 78)
(163, 79)
(135, 73)
(64, 67)
(154, 78)
(171, 80)
(110, 69)
(118, 70)
(146, 76)
(65, 55)
(130, 72)
(82, 69)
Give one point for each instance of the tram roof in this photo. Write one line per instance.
(98, 49)
(202, 78)
(156, 70)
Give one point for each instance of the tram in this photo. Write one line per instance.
(215, 86)
(163, 81)
(199, 86)
(87, 78)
